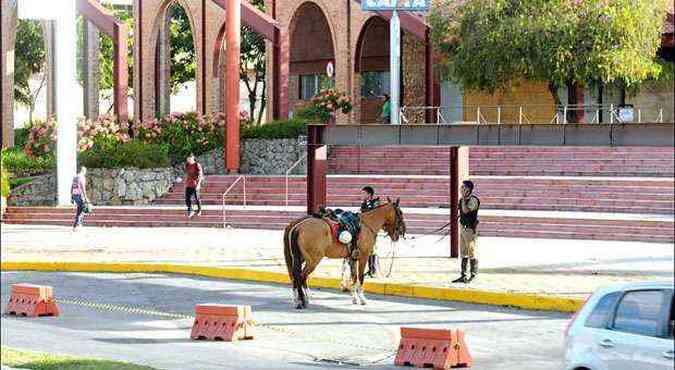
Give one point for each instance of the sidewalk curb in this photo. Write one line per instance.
(516, 300)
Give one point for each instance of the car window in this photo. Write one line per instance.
(599, 318)
(639, 312)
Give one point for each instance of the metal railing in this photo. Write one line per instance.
(288, 172)
(241, 179)
(532, 114)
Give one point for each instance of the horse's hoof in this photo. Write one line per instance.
(354, 301)
(299, 306)
(363, 303)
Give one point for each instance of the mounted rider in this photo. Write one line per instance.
(369, 202)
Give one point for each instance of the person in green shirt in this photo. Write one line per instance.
(386, 110)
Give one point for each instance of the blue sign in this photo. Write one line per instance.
(402, 5)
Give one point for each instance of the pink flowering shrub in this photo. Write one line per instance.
(328, 102)
(184, 133)
(103, 128)
(41, 138)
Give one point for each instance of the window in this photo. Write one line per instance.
(310, 85)
(374, 84)
(639, 312)
(599, 318)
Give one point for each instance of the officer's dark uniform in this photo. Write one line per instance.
(373, 263)
(467, 237)
(370, 204)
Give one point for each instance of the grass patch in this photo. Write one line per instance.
(48, 361)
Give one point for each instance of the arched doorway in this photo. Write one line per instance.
(371, 68)
(176, 64)
(311, 49)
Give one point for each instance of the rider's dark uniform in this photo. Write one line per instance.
(373, 263)
(370, 204)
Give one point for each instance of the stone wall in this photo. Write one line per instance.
(104, 187)
(272, 157)
(259, 157)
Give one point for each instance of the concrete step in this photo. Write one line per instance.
(418, 223)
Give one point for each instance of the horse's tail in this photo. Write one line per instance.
(294, 259)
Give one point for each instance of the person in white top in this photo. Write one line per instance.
(78, 195)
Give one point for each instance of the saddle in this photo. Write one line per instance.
(340, 221)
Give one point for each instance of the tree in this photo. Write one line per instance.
(253, 56)
(30, 60)
(489, 44)
(183, 55)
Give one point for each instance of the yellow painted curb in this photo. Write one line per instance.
(517, 300)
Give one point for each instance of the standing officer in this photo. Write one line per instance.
(369, 202)
(468, 220)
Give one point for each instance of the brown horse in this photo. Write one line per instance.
(309, 239)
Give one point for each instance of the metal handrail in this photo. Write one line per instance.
(288, 171)
(523, 116)
(241, 178)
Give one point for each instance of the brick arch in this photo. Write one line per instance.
(367, 36)
(371, 53)
(316, 50)
(159, 17)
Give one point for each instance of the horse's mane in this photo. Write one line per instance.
(379, 206)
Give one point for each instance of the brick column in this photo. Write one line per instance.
(459, 171)
(317, 164)
(163, 69)
(48, 28)
(91, 70)
(232, 60)
(7, 33)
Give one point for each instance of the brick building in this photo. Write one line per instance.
(303, 37)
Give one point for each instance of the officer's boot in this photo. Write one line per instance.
(474, 269)
(372, 265)
(462, 278)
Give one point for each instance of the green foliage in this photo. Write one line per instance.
(183, 55)
(20, 164)
(487, 44)
(276, 130)
(110, 153)
(30, 59)
(20, 137)
(49, 361)
(4, 178)
(183, 133)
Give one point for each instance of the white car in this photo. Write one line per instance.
(623, 327)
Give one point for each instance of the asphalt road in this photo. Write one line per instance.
(145, 319)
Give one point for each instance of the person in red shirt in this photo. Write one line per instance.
(193, 182)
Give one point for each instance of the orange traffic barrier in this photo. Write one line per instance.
(221, 322)
(442, 349)
(32, 301)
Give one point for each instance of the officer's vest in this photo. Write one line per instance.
(469, 219)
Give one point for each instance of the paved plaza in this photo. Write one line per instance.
(146, 319)
(567, 268)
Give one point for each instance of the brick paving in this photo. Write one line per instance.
(569, 268)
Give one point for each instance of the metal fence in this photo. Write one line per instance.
(532, 114)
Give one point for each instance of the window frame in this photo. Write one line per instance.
(664, 313)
